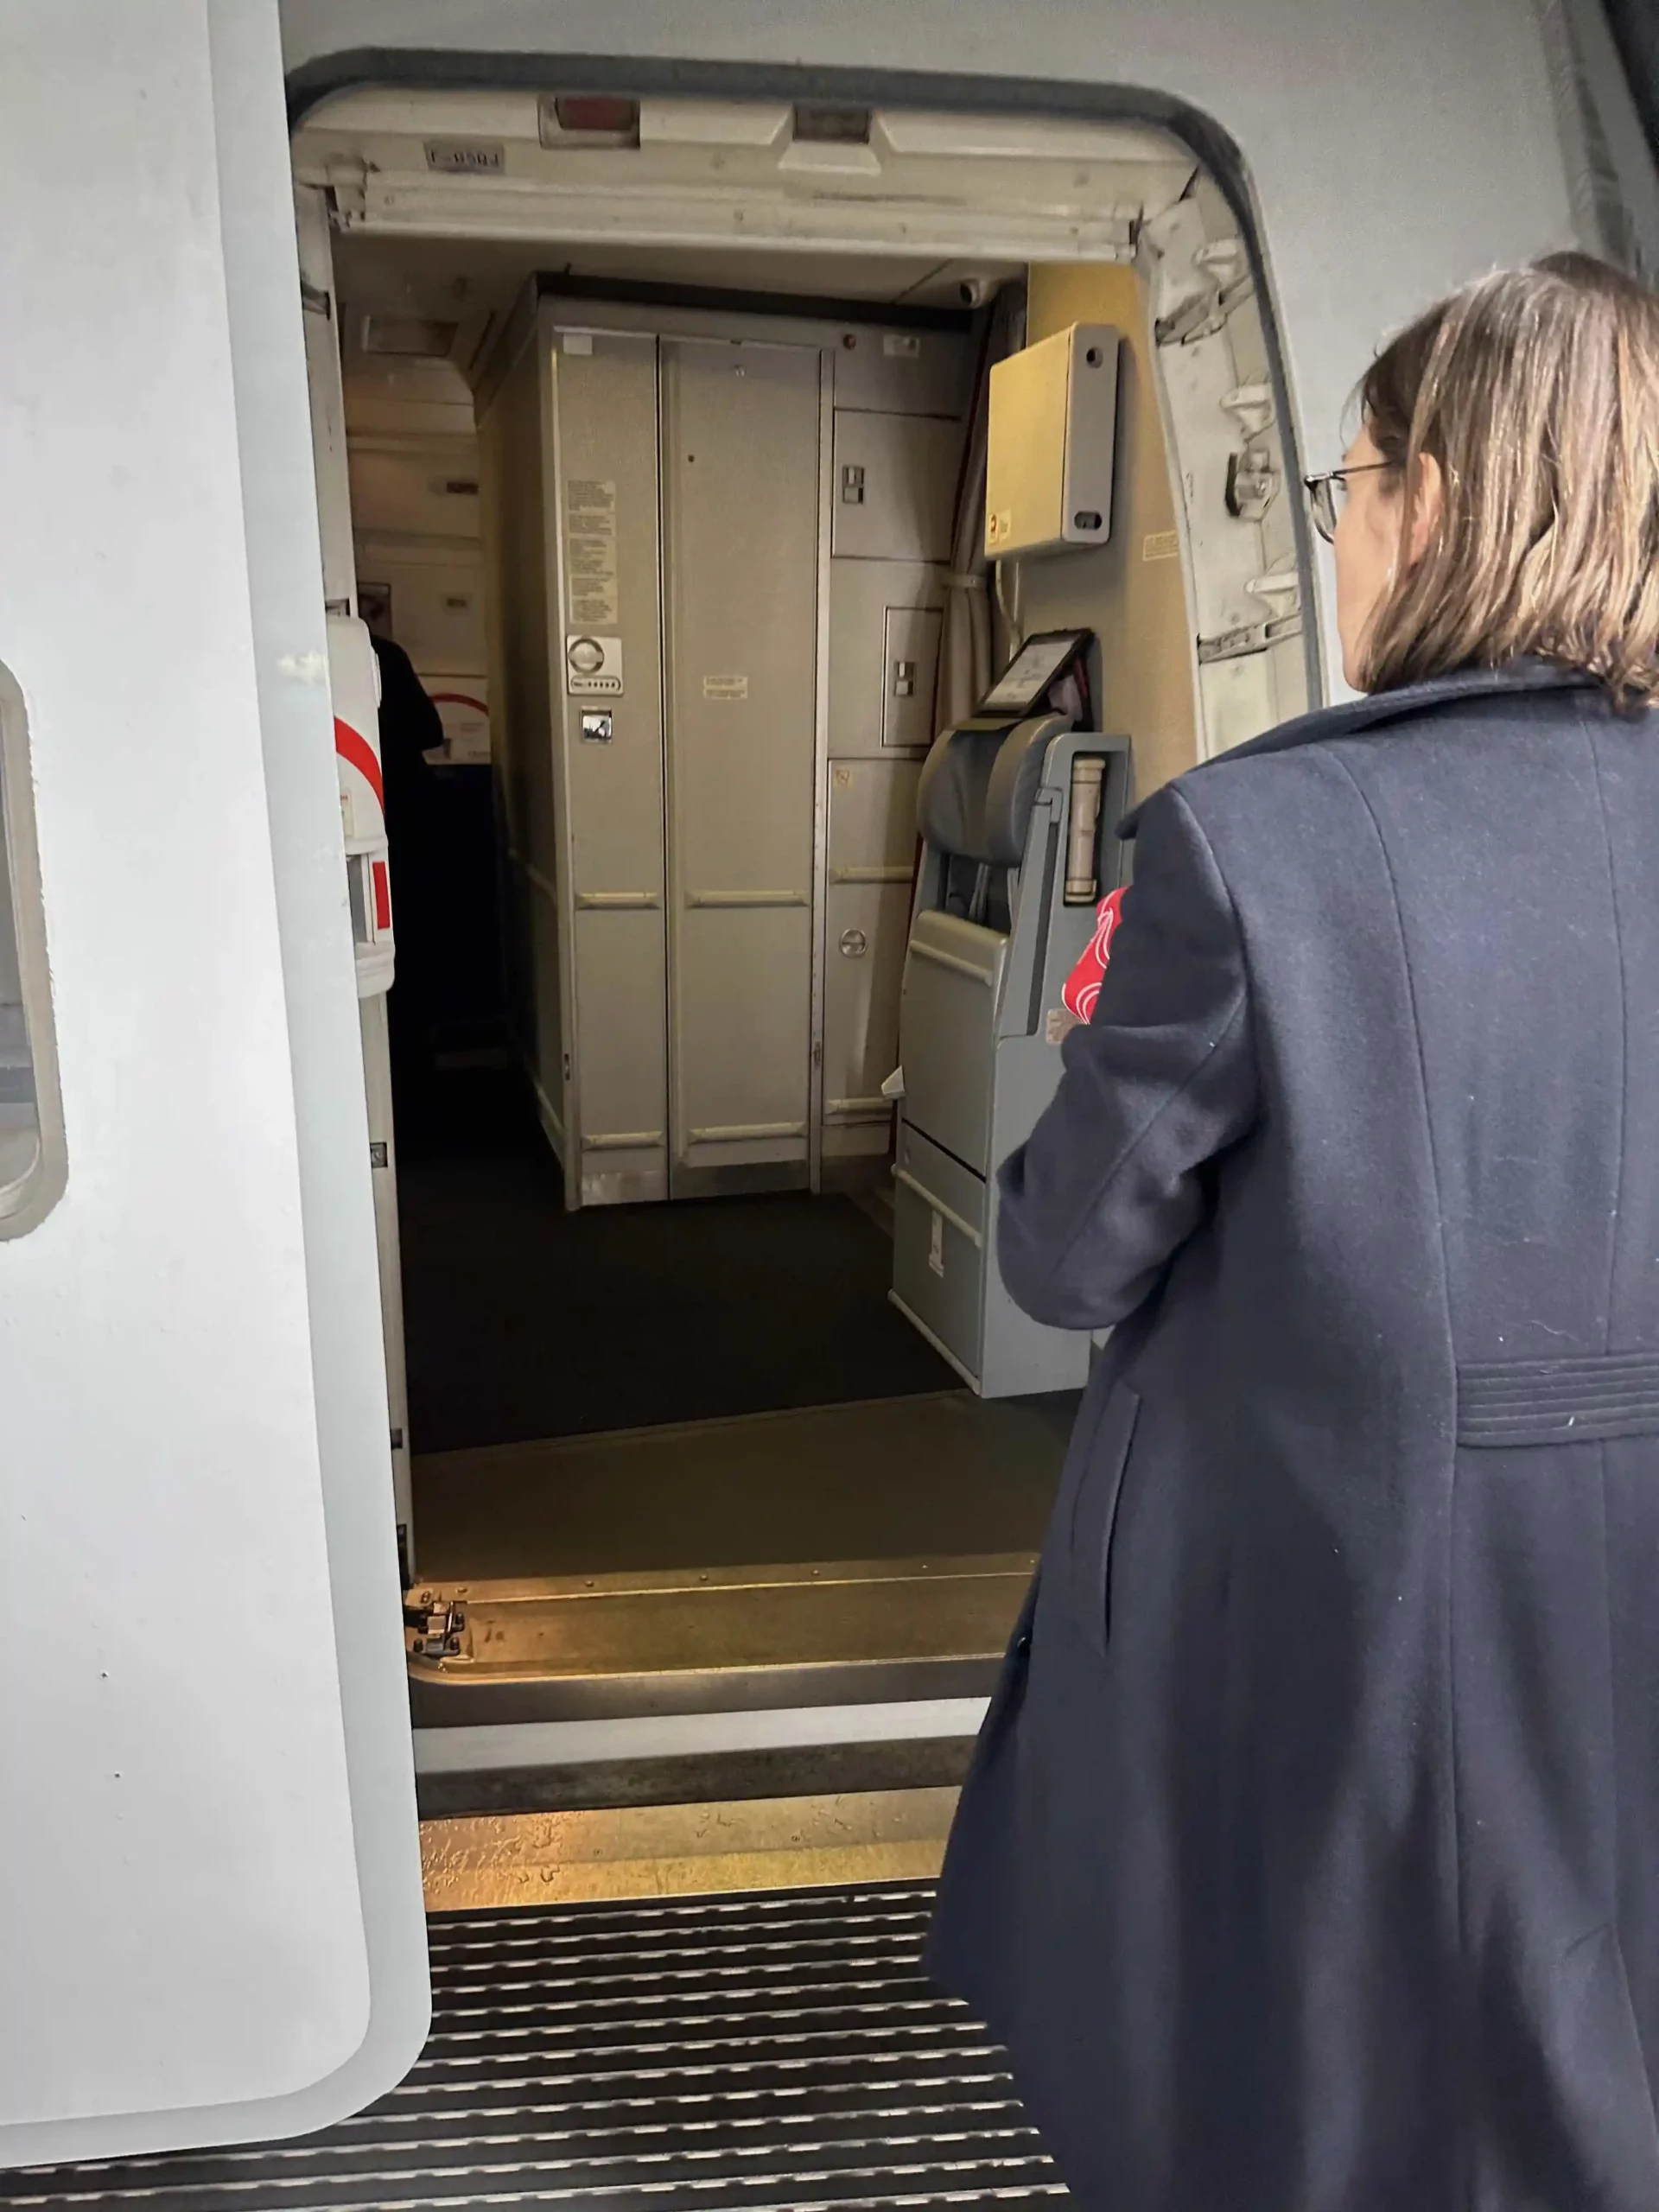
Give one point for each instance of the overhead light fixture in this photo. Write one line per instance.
(589, 119)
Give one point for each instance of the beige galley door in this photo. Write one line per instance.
(610, 771)
(741, 470)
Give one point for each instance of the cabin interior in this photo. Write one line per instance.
(688, 541)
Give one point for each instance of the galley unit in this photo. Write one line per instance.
(718, 538)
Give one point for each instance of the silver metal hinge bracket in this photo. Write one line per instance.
(439, 1627)
(1248, 638)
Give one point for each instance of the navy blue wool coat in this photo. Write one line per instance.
(1310, 1858)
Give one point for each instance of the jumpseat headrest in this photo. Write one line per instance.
(978, 787)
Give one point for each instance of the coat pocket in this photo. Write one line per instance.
(1086, 1512)
(1010, 1692)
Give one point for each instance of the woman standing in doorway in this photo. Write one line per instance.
(1310, 1862)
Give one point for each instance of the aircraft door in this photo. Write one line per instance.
(210, 1910)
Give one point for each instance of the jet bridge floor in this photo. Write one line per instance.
(768, 2050)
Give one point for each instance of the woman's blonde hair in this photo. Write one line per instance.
(1537, 392)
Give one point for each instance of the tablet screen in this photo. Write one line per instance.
(1031, 672)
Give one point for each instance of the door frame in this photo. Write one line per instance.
(312, 84)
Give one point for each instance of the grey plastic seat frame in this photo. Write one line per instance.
(978, 1032)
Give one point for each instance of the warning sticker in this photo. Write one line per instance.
(725, 687)
(590, 551)
(1160, 545)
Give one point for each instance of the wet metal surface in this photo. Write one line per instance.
(644, 1850)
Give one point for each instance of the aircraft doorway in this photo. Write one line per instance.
(686, 548)
(672, 1442)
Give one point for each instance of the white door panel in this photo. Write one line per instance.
(209, 1900)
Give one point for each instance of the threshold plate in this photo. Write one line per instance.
(715, 1640)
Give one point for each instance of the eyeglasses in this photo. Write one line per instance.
(1326, 493)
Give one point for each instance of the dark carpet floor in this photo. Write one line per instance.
(524, 1321)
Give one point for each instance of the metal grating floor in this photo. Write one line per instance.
(773, 2052)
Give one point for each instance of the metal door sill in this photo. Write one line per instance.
(613, 1648)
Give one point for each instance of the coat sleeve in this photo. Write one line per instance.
(1107, 1188)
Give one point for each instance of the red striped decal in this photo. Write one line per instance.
(359, 753)
(382, 895)
(1083, 984)
(458, 699)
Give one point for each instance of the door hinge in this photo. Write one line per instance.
(437, 1626)
(1248, 638)
(315, 301)
(1220, 282)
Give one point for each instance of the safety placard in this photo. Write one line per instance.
(590, 551)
